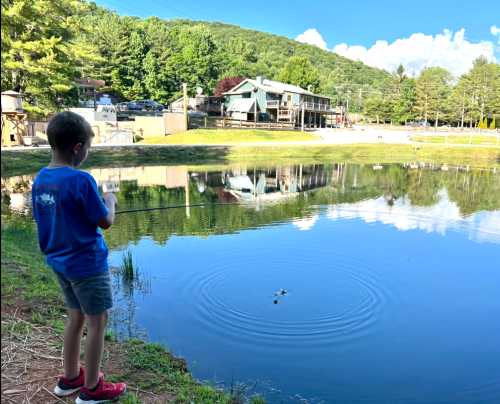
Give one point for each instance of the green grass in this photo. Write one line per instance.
(459, 139)
(232, 136)
(368, 154)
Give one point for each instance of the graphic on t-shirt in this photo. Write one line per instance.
(46, 199)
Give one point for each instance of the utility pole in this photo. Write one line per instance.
(347, 109)
(302, 117)
(185, 105)
(255, 111)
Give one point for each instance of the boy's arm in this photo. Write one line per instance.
(100, 210)
(110, 202)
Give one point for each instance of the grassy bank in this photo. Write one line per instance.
(29, 161)
(370, 154)
(458, 139)
(232, 136)
(32, 327)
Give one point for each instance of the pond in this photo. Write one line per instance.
(313, 283)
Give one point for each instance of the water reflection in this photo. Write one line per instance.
(439, 218)
(407, 196)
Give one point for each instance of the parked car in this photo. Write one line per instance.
(149, 105)
(128, 106)
(122, 106)
(418, 124)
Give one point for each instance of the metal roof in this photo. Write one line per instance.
(271, 86)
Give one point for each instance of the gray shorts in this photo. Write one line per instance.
(91, 295)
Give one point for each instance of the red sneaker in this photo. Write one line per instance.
(103, 393)
(66, 387)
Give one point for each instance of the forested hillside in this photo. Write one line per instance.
(46, 44)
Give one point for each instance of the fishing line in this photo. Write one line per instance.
(196, 205)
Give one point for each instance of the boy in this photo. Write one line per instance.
(68, 211)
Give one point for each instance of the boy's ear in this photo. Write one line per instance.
(76, 148)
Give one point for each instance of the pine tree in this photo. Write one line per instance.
(42, 63)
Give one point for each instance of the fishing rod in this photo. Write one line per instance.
(195, 205)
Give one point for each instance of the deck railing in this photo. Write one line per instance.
(273, 104)
(308, 106)
(316, 106)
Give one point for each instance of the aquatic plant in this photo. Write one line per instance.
(127, 269)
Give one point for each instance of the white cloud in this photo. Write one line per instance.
(312, 36)
(495, 31)
(449, 50)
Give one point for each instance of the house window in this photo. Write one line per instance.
(246, 95)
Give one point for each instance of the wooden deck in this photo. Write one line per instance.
(308, 106)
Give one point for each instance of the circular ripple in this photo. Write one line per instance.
(341, 320)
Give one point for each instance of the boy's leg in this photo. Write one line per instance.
(96, 327)
(72, 338)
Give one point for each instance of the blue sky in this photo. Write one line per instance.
(338, 22)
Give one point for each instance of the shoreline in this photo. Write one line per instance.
(32, 330)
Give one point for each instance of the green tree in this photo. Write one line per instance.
(484, 88)
(128, 76)
(195, 59)
(432, 93)
(401, 96)
(239, 58)
(404, 106)
(300, 72)
(41, 55)
(378, 108)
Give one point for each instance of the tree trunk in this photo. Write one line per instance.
(463, 112)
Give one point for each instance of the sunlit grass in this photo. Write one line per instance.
(459, 139)
(232, 136)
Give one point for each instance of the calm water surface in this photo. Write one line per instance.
(331, 283)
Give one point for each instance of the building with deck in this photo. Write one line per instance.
(271, 101)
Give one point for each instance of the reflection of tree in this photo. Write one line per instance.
(474, 190)
(423, 187)
(324, 184)
(343, 183)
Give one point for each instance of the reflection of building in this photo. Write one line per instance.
(168, 176)
(267, 185)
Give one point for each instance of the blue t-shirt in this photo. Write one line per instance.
(67, 207)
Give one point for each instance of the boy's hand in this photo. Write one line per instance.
(110, 202)
(109, 199)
